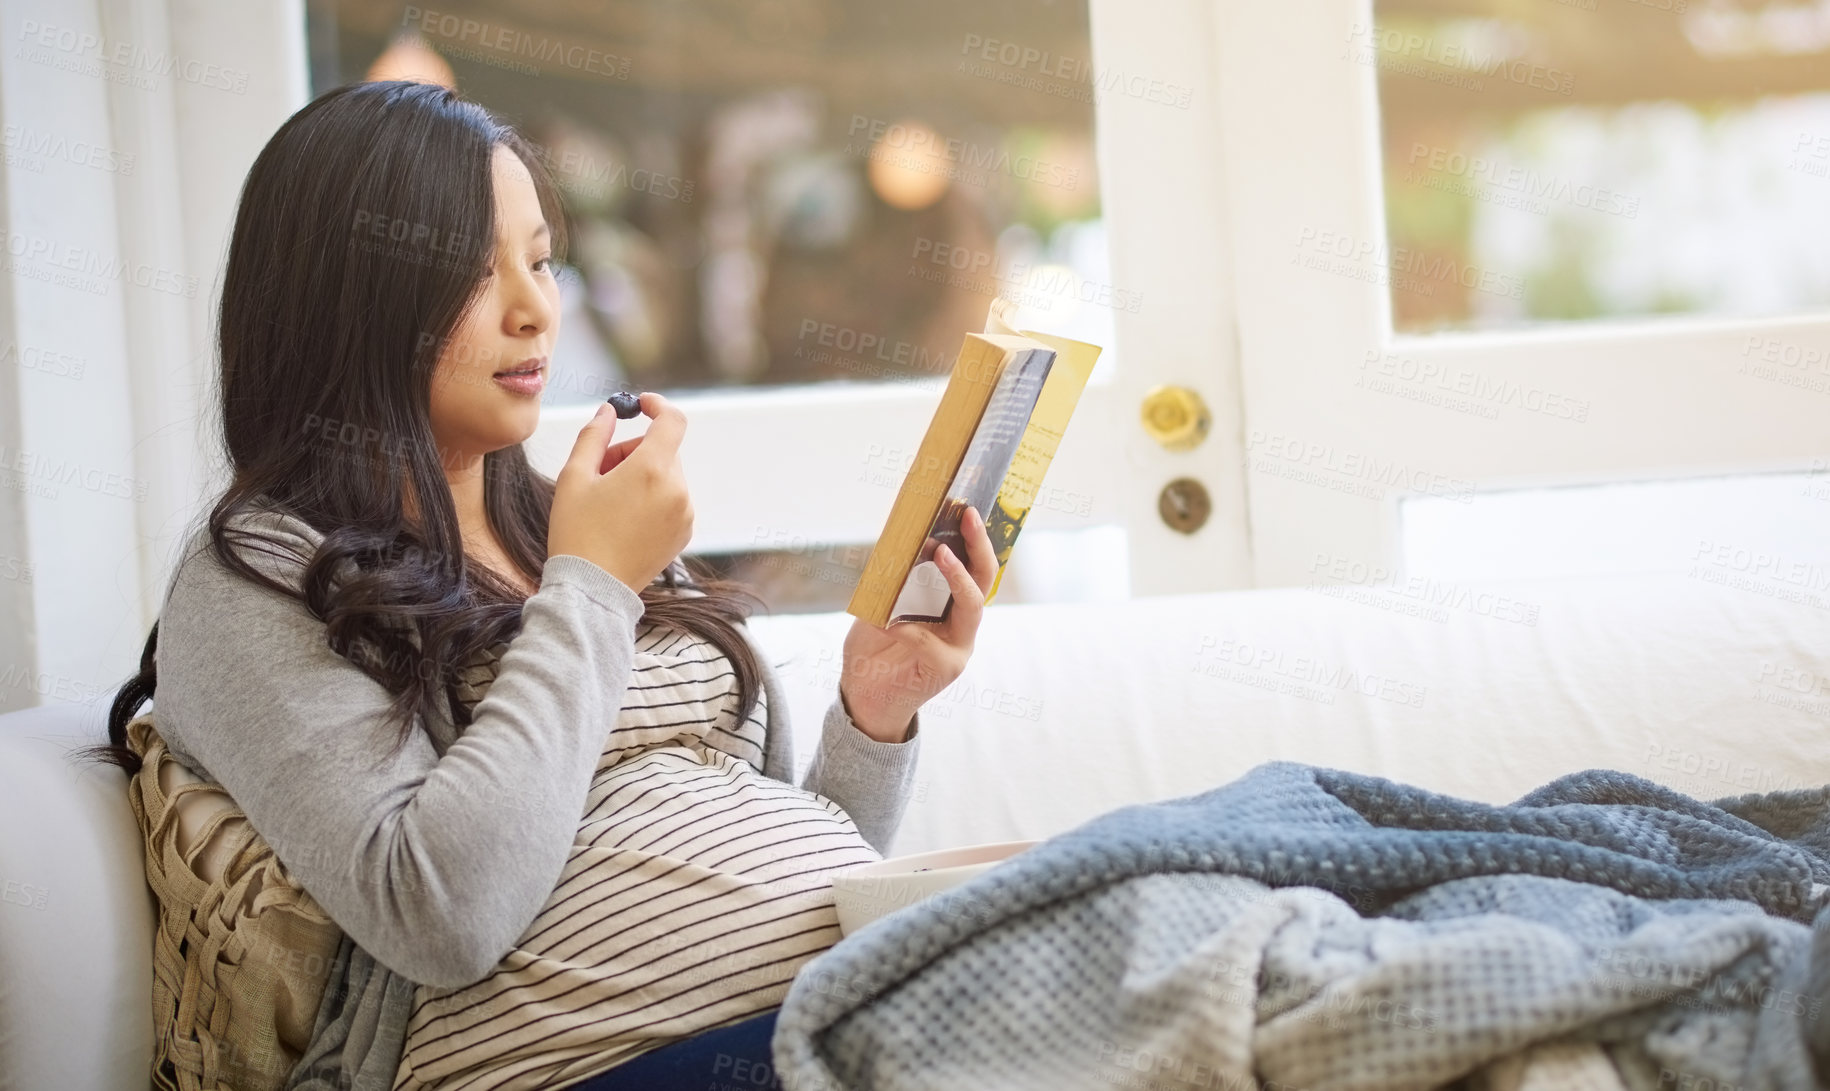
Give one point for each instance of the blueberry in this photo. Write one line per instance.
(626, 404)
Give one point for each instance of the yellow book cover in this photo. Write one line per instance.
(970, 386)
(1002, 470)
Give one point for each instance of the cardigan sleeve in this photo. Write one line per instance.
(432, 863)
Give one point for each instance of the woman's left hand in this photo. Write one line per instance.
(888, 674)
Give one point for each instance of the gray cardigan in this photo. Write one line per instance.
(408, 854)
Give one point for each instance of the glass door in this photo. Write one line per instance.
(786, 215)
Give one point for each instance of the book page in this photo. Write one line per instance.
(1001, 317)
(925, 595)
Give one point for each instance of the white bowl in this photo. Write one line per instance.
(862, 894)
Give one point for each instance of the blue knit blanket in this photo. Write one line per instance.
(1309, 928)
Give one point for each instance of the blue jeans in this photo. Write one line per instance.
(737, 1055)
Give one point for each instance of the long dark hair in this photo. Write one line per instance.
(363, 230)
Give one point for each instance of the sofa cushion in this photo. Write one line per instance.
(242, 954)
(76, 918)
(1067, 711)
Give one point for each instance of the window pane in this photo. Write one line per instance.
(1580, 159)
(776, 191)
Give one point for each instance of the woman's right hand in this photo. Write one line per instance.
(625, 508)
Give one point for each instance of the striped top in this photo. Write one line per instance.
(695, 889)
(435, 852)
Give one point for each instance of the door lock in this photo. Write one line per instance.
(1184, 504)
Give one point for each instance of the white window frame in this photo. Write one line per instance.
(1663, 396)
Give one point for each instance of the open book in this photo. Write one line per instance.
(1000, 421)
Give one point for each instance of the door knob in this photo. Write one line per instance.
(1176, 417)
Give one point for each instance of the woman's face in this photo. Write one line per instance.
(477, 406)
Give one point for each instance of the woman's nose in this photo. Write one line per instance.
(530, 311)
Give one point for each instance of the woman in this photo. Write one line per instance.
(555, 807)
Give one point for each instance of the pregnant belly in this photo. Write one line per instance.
(695, 890)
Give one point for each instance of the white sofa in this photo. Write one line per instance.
(1066, 712)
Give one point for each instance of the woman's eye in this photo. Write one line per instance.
(544, 265)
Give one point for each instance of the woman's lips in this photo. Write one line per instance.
(527, 383)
